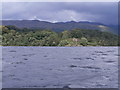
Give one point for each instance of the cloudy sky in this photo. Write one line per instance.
(103, 12)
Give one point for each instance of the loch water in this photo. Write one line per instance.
(59, 67)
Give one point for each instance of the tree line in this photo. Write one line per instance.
(13, 36)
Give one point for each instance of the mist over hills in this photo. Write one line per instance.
(60, 26)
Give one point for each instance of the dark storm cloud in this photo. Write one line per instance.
(104, 12)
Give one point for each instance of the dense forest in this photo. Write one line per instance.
(13, 36)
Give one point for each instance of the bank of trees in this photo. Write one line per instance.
(13, 36)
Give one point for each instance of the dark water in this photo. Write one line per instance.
(58, 67)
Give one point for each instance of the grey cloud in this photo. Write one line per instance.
(105, 12)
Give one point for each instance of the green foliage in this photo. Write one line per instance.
(13, 36)
(11, 27)
(84, 41)
(65, 34)
(69, 42)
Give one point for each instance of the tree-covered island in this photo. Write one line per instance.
(13, 36)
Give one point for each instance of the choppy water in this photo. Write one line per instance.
(58, 67)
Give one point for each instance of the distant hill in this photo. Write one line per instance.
(114, 28)
(60, 26)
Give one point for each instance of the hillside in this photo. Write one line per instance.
(59, 26)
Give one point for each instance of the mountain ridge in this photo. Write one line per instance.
(59, 26)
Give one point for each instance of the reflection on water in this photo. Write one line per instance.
(58, 67)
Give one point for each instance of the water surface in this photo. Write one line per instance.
(58, 67)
